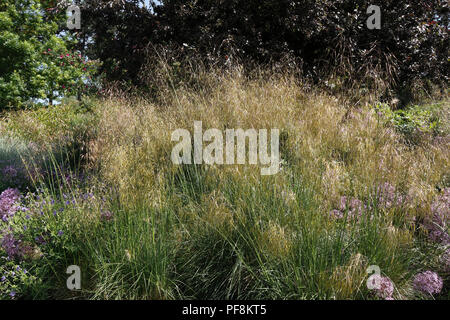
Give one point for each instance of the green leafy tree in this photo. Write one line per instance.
(36, 61)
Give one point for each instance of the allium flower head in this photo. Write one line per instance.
(8, 199)
(336, 214)
(445, 260)
(385, 288)
(10, 172)
(11, 245)
(428, 282)
(353, 206)
(439, 222)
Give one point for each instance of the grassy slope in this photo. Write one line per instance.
(225, 231)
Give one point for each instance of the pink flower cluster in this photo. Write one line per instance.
(385, 289)
(10, 172)
(428, 282)
(386, 197)
(353, 207)
(437, 225)
(8, 200)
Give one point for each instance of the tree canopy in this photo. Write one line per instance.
(37, 61)
(323, 36)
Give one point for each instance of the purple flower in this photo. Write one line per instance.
(8, 199)
(3, 279)
(60, 233)
(428, 282)
(12, 294)
(445, 260)
(439, 222)
(11, 245)
(336, 214)
(385, 288)
(10, 172)
(354, 208)
(40, 240)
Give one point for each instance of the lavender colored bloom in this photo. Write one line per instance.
(8, 199)
(385, 289)
(428, 282)
(10, 172)
(439, 222)
(40, 240)
(60, 233)
(336, 214)
(343, 203)
(10, 245)
(445, 260)
(353, 206)
(12, 294)
(3, 279)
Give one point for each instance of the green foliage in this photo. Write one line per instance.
(319, 38)
(415, 119)
(17, 281)
(36, 61)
